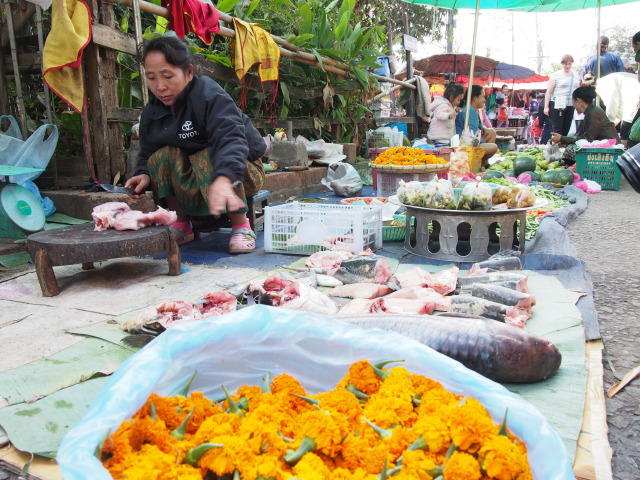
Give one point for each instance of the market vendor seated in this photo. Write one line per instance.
(595, 126)
(199, 153)
(488, 135)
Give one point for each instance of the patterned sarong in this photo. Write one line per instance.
(188, 177)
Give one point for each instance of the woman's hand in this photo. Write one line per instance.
(556, 137)
(222, 197)
(546, 110)
(139, 183)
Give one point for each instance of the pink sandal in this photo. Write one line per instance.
(243, 240)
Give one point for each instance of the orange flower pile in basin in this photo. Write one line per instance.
(375, 424)
(405, 156)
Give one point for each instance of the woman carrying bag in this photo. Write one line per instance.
(557, 100)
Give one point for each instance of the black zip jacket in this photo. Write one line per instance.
(205, 116)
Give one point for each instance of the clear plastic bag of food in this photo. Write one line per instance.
(439, 194)
(522, 199)
(459, 169)
(476, 196)
(411, 193)
(501, 195)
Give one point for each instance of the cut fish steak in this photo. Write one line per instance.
(327, 261)
(157, 319)
(441, 302)
(443, 282)
(119, 216)
(480, 307)
(216, 303)
(495, 265)
(503, 295)
(500, 352)
(298, 296)
(519, 279)
(364, 269)
(360, 290)
(388, 305)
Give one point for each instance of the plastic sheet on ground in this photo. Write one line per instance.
(313, 348)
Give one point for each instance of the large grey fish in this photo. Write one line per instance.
(364, 269)
(498, 351)
(510, 284)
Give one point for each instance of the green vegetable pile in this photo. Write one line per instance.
(532, 161)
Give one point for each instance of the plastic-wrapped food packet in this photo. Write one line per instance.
(475, 196)
(459, 169)
(524, 198)
(439, 194)
(501, 195)
(411, 193)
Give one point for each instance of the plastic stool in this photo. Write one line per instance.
(261, 198)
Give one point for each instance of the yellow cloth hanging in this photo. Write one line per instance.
(62, 54)
(251, 45)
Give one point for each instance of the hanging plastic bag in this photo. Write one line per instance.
(439, 194)
(552, 153)
(34, 152)
(470, 139)
(343, 180)
(476, 196)
(313, 348)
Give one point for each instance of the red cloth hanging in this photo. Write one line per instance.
(193, 16)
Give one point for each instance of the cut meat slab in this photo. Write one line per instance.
(443, 282)
(442, 303)
(360, 290)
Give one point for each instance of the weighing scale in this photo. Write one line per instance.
(21, 212)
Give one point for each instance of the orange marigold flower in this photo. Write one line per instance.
(435, 432)
(288, 385)
(324, 429)
(462, 466)
(387, 411)
(373, 459)
(216, 425)
(311, 467)
(501, 458)
(364, 378)
(470, 425)
(343, 402)
(357, 474)
(415, 464)
(237, 453)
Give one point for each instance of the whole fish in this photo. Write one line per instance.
(503, 295)
(480, 307)
(498, 351)
(364, 269)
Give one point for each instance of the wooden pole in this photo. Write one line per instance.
(397, 87)
(138, 25)
(47, 95)
(296, 54)
(16, 70)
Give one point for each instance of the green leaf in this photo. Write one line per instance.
(252, 7)
(285, 93)
(306, 19)
(299, 40)
(226, 6)
(360, 42)
(124, 23)
(161, 24)
(341, 28)
(331, 6)
(318, 57)
(361, 76)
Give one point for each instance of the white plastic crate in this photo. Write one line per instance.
(335, 227)
(387, 183)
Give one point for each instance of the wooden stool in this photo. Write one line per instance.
(211, 223)
(262, 198)
(80, 244)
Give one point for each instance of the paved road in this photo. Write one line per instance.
(606, 237)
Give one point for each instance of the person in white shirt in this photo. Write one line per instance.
(557, 99)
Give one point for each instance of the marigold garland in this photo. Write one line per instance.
(407, 156)
(375, 420)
